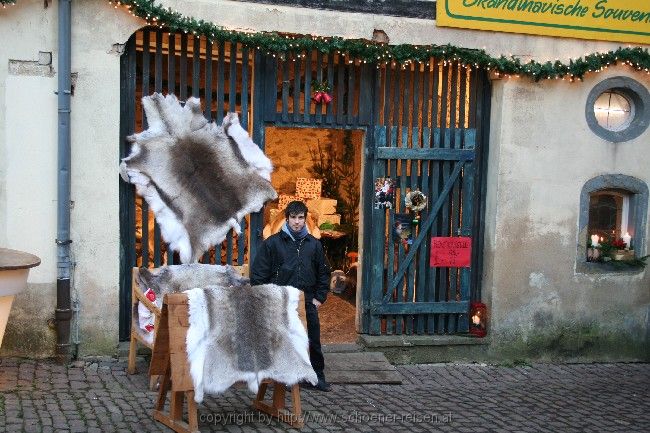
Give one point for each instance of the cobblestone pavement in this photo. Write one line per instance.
(98, 396)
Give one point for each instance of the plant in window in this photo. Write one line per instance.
(614, 253)
(620, 252)
(612, 209)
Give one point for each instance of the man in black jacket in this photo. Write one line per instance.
(293, 257)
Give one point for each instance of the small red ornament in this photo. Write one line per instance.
(327, 98)
(318, 96)
(151, 295)
(149, 327)
(321, 92)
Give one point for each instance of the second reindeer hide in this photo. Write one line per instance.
(175, 279)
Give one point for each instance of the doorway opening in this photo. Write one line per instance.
(323, 168)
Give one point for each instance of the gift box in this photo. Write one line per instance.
(285, 199)
(322, 206)
(308, 188)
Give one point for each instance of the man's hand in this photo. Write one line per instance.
(316, 303)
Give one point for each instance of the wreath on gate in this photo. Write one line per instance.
(415, 200)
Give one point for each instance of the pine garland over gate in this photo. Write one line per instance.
(381, 54)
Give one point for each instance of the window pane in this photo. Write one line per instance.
(605, 215)
(613, 111)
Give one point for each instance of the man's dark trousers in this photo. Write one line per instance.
(313, 332)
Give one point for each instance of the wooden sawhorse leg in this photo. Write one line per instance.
(277, 408)
(174, 419)
(169, 360)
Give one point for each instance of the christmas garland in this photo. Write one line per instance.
(370, 52)
(381, 54)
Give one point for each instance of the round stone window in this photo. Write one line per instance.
(618, 109)
(613, 110)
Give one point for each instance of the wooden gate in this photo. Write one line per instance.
(424, 127)
(428, 137)
(407, 295)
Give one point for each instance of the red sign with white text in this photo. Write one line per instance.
(451, 252)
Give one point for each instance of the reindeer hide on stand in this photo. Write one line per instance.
(200, 179)
(178, 278)
(236, 332)
(244, 333)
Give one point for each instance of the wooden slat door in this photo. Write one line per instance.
(407, 296)
(217, 72)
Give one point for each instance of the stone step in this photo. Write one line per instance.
(360, 367)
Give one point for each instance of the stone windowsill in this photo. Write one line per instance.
(605, 268)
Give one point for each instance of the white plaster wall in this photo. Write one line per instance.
(13, 22)
(533, 188)
(30, 157)
(95, 149)
(541, 154)
(28, 172)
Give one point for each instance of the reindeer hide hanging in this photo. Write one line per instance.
(244, 333)
(200, 179)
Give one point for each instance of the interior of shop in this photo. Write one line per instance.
(322, 167)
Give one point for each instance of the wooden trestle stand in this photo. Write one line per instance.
(138, 296)
(169, 362)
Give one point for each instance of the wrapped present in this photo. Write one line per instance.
(308, 188)
(322, 206)
(308, 196)
(285, 199)
(332, 219)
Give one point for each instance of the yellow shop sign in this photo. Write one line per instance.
(608, 20)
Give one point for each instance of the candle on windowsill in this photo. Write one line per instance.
(594, 241)
(478, 314)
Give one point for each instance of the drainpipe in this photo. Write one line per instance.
(63, 312)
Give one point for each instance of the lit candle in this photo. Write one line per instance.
(476, 319)
(594, 241)
(627, 238)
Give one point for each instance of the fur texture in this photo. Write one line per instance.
(199, 178)
(178, 278)
(245, 333)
